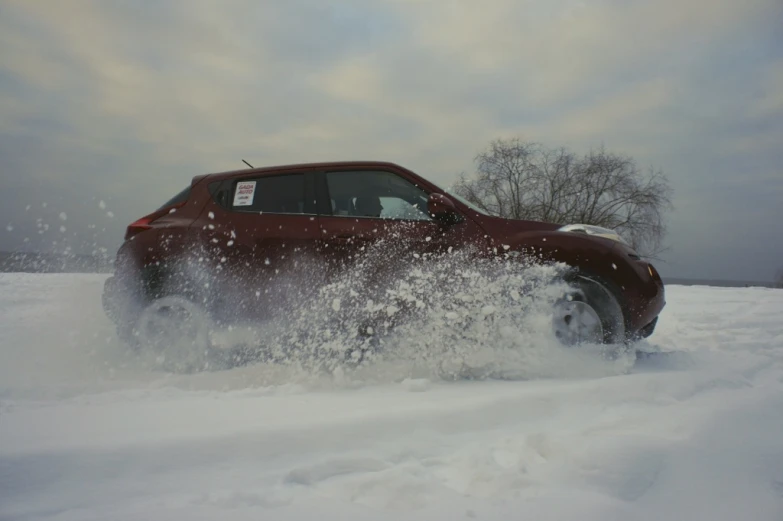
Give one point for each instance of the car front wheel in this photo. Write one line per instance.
(588, 314)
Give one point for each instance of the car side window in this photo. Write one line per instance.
(376, 194)
(273, 194)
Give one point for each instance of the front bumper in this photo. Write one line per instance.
(649, 329)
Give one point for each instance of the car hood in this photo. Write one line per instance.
(498, 227)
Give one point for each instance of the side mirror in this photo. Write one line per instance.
(443, 209)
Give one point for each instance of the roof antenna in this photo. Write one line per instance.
(248, 164)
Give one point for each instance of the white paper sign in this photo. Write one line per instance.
(246, 190)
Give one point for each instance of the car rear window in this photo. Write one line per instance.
(177, 199)
(273, 194)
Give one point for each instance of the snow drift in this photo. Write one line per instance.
(88, 431)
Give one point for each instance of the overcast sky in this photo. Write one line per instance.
(123, 101)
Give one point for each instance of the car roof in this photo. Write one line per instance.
(302, 166)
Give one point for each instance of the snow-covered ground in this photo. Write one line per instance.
(87, 432)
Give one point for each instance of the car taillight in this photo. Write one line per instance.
(134, 228)
(145, 223)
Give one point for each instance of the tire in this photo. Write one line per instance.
(175, 332)
(588, 314)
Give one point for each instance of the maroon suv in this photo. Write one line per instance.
(233, 245)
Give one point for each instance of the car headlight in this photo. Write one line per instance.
(589, 229)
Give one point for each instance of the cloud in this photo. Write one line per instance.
(769, 99)
(559, 49)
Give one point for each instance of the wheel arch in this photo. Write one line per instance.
(175, 277)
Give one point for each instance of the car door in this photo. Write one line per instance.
(378, 218)
(260, 234)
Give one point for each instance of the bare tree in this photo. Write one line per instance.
(521, 180)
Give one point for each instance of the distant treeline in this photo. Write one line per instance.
(718, 283)
(29, 262)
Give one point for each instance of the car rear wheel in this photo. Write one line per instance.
(176, 332)
(588, 314)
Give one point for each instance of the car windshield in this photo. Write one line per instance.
(467, 203)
